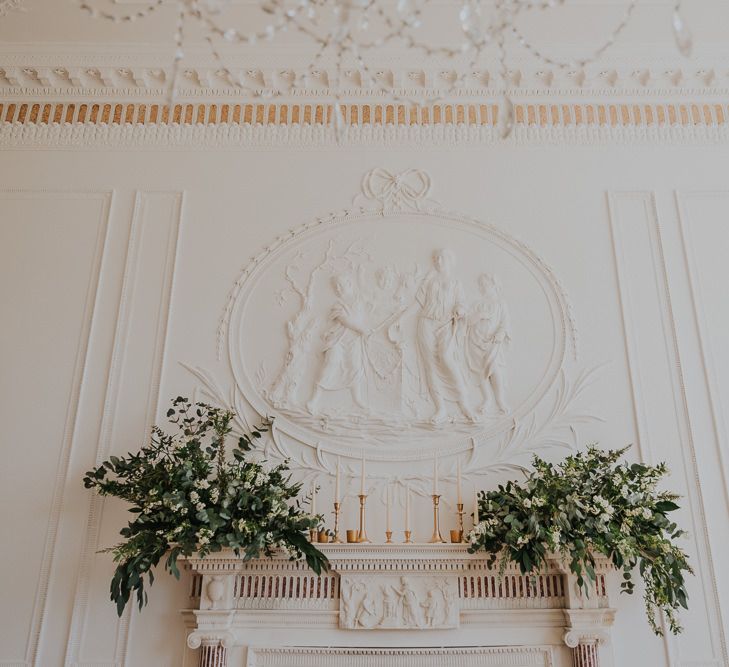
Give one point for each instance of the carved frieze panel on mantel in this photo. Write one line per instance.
(394, 602)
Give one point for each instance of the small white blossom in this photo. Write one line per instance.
(202, 484)
(194, 497)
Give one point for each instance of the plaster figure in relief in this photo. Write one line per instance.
(367, 616)
(440, 332)
(450, 602)
(349, 608)
(344, 347)
(411, 616)
(433, 607)
(488, 335)
(390, 607)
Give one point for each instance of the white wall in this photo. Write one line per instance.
(120, 247)
(117, 266)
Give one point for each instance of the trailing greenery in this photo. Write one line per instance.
(187, 496)
(586, 505)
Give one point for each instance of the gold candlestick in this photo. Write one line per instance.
(388, 537)
(460, 513)
(337, 537)
(313, 535)
(436, 537)
(408, 535)
(362, 533)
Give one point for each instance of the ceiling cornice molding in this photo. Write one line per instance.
(87, 71)
(534, 128)
(87, 79)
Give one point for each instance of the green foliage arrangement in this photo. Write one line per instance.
(590, 504)
(188, 496)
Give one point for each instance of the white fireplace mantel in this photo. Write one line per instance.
(390, 597)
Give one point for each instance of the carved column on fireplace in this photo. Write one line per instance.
(587, 617)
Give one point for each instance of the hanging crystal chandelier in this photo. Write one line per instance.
(348, 33)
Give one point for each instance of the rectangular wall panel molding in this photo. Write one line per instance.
(701, 280)
(663, 421)
(67, 233)
(130, 409)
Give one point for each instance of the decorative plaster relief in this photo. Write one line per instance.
(398, 602)
(7, 6)
(396, 327)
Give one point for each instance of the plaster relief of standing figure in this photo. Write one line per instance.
(440, 331)
(433, 607)
(344, 351)
(488, 335)
(348, 605)
(411, 617)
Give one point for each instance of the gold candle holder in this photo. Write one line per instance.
(362, 532)
(323, 537)
(388, 537)
(460, 512)
(337, 537)
(408, 537)
(313, 534)
(436, 538)
(351, 536)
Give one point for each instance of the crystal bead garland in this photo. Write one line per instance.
(341, 31)
(681, 32)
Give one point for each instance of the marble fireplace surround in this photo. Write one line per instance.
(394, 606)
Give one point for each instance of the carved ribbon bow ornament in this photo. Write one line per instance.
(398, 192)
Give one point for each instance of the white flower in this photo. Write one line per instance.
(214, 495)
(539, 501)
(203, 536)
(647, 514)
(200, 506)
(605, 517)
(522, 540)
(624, 490)
(194, 497)
(527, 503)
(202, 484)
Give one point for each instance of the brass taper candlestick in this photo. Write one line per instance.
(337, 509)
(437, 537)
(460, 513)
(362, 532)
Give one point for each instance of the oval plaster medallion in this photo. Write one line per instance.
(397, 333)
